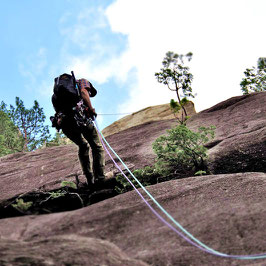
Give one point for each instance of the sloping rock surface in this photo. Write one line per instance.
(146, 115)
(240, 135)
(225, 212)
(239, 146)
(64, 250)
(46, 168)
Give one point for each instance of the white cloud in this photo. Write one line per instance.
(225, 37)
(99, 63)
(115, 67)
(98, 58)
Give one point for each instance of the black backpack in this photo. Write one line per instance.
(66, 93)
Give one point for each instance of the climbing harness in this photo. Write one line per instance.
(80, 115)
(197, 243)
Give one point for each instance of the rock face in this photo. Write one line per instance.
(225, 211)
(41, 169)
(47, 168)
(149, 114)
(64, 250)
(240, 136)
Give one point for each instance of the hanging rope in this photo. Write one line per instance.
(198, 243)
(116, 114)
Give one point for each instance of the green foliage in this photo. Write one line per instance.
(21, 205)
(179, 154)
(177, 77)
(176, 107)
(57, 194)
(30, 123)
(146, 176)
(54, 195)
(10, 138)
(200, 172)
(255, 80)
(182, 150)
(68, 184)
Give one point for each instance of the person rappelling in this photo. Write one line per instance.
(74, 116)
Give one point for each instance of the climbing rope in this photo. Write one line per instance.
(198, 243)
(116, 114)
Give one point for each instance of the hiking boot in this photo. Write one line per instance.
(99, 179)
(90, 179)
(98, 182)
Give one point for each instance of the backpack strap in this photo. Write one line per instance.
(75, 83)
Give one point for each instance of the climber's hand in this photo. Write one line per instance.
(91, 113)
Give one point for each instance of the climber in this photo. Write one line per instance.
(74, 115)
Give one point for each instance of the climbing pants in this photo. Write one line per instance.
(86, 137)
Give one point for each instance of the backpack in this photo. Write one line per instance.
(66, 93)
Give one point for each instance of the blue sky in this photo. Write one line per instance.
(118, 45)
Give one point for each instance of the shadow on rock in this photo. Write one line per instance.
(57, 200)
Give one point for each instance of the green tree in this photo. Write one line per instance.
(255, 80)
(146, 176)
(10, 138)
(182, 151)
(175, 74)
(30, 123)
